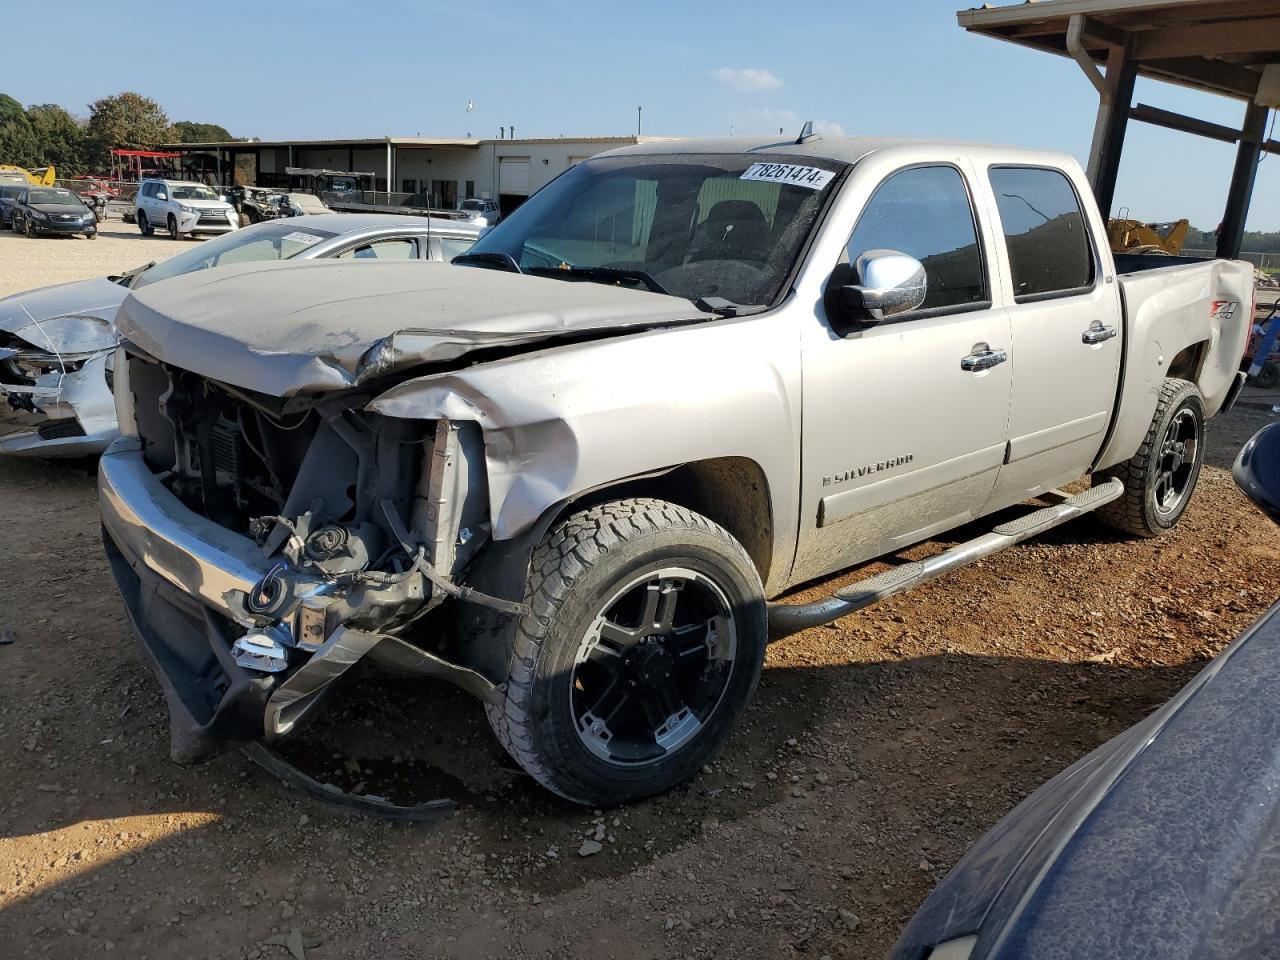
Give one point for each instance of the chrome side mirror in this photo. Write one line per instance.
(162, 196)
(1257, 470)
(889, 283)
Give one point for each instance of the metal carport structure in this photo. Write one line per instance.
(1228, 47)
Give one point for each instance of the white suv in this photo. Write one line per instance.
(182, 208)
(484, 213)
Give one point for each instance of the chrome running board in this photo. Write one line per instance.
(786, 619)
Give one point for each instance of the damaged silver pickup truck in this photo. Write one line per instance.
(568, 473)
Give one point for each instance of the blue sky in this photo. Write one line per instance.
(325, 68)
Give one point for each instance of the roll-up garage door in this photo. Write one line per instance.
(513, 176)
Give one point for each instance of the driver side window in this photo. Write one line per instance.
(925, 213)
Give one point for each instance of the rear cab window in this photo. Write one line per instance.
(1045, 233)
(926, 213)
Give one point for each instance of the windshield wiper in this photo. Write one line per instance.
(127, 278)
(503, 261)
(603, 273)
(727, 308)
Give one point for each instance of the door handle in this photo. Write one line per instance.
(1097, 333)
(982, 358)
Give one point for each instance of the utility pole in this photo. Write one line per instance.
(639, 110)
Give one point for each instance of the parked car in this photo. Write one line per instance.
(679, 380)
(56, 343)
(9, 194)
(1157, 844)
(183, 208)
(485, 213)
(41, 210)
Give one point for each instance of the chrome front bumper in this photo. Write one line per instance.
(202, 559)
(180, 575)
(183, 579)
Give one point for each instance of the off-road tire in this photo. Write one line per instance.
(144, 225)
(172, 224)
(1135, 511)
(245, 219)
(575, 567)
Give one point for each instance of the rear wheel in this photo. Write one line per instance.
(644, 646)
(1161, 477)
(1268, 376)
(144, 225)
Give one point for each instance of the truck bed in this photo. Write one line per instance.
(1183, 317)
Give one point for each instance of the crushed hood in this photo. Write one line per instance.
(98, 299)
(287, 328)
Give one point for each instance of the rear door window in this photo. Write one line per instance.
(1050, 254)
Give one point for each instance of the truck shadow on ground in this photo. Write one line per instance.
(879, 747)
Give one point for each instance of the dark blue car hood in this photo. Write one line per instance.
(1161, 843)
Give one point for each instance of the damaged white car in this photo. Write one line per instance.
(57, 343)
(56, 348)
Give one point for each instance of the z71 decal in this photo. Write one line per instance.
(1224, 310)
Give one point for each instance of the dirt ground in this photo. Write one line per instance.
(877, 750)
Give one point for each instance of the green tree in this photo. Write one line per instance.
(188, 131)
(10, 110)
(124, 120)
(18, 144)
(60, 137)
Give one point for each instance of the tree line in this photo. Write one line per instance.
(45, 133)
(1255, 241)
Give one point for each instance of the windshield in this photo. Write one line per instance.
(58, 198)
(192, 191)
(274, 240)
(472, 205)
(725, 226)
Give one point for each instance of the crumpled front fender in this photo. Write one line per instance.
(563, 421)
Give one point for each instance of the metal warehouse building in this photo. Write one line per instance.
(443, 170)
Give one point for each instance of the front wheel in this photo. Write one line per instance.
(1161, 477)
(173, 228)
(644, 646)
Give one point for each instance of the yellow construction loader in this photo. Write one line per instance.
(40, 177)
(1134, 236)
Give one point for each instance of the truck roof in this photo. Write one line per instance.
(840, 149)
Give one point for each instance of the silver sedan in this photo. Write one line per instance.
(56, 343)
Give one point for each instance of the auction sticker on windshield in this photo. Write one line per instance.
(307, 238)
(791, 174)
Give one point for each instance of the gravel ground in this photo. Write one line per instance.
(876, 751)
(43, 260)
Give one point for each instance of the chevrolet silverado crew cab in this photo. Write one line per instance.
(569, 472)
